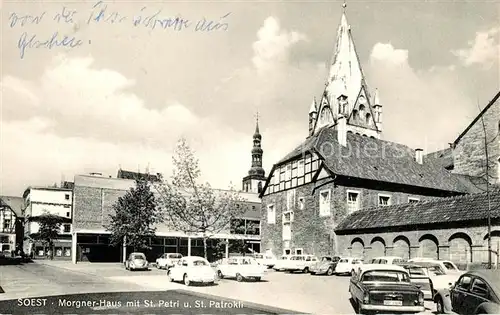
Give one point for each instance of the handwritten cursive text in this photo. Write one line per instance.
(22, 20)
(31, 41)
(154, 21)
(100, 13)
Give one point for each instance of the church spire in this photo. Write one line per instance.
(256, 175)
(346, 92)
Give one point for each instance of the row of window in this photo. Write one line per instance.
(293, 174)
(353, 204)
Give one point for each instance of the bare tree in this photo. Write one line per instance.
(196, 209)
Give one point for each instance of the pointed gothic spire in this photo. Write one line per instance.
(314, 107)
(257, 132)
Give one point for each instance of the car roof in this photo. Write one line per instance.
(193, 258)
(136, 253)
(369, 267)
(492, 276)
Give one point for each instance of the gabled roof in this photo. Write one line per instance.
(14, 203)
(447, 210)
(495, 98)
(444, 157)
(375, 159)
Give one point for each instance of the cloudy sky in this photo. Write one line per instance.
(127, 93)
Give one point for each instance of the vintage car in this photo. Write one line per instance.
(420, 277)
(447, 265)
(241, 268)
(441, 278)
(326, 265)
(167, 260)
(301, 263)
(384, 288)
(347, 264)
(136, 261)
(278, 266)
(266, 260)
(192, 269)
(475, 292)
(390, 260)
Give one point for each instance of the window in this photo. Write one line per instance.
(67, 214)
(300, 168)
(301, 203)
(352, 201)
(66, 196)
(464, 283)
(271, 214)
(384, 200)
(287, 251)
(67, 252)
(67, 228)
(298, 251)
(413, 200)
(480, 288)
(59, 251)
(288, 172)
(324, 203)
(368, 119)
(287, 217)
(287, 232)
(290, 199)
(6, 224)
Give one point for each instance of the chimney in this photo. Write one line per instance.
(342, 130)
(419, 156)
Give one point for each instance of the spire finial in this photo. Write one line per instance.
(344, 6)
(257, 116)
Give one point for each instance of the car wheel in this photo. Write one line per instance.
(239, 277)
(257, 279)
(329, 272)
(439, 305)
(313, 273)
(186, 280)
(306, 270)
(170, 279)
(211, 283)
(220, 275)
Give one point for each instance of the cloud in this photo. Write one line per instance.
(409, 96)
(483, 50)
(387, 53)
(77, 118)
(273, 44)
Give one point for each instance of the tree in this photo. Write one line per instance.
(135, 218)
(49, 227)
(196, 209)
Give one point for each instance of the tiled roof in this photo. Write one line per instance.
(136, 175)
(444, 158)
(15, 203)
(375, 159)
(455, 209)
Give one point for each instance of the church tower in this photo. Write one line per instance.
(256, 178)
(346, 93)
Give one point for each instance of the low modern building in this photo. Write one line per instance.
(51, 200)
(94, 197)
(451, 228)
(11, 223)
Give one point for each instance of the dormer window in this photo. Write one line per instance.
(368, 119)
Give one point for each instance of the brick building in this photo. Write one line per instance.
(343, 166)
(450, 228)
(94, 196)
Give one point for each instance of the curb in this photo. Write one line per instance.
(256, 306)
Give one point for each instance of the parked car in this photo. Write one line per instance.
(266, 260)
(136, 261)
(384, 288)
(441, 278)
(391, 260)
(192, 269)
(420, 277)
(299, 263)
(475, 292)
(167, 260)
(241, 268)
(447, 265)
(347, 264)
(278, 266)
(326, 265)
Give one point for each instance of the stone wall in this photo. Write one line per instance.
(469, 154)
(462, 245)
(311, 232)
